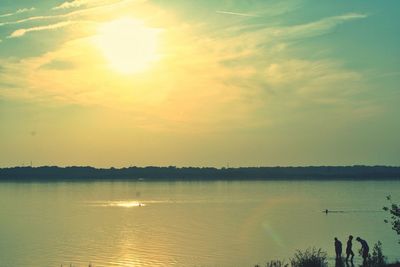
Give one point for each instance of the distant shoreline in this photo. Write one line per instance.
(320, 173)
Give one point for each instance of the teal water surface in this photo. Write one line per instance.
(187, 223)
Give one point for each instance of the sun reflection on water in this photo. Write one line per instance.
(122, 204)
(126, 204)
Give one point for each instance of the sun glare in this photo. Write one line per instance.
(128, 45)
(128, 204)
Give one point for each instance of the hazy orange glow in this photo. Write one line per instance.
(194, 83)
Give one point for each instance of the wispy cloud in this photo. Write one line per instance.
(19, 11)
(236, 13)
(79, 3)
(35, 18)
(101, 5)
(48, 17)
(22, 32)
(316, 27)
(261, 34)
(75, 4)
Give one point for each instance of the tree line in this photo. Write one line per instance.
(201, 173)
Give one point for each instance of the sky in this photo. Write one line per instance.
(199, 83)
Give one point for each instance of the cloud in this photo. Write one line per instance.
(79, 3)
(23, 10)
(237, 75)
(19, 11)
(296, 31)
(58, 65)
(236, 14)
(35, 18)
(250, 38)
(102, 5)
(317, 27)
(73, 4)
(89, 81)
(324, 81)
(22, 32)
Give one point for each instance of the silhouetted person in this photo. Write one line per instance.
(349, 250)
(364, 249)
(339, 262)
(338, 248)
(349, 265)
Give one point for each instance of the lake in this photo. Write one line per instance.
(221, 223)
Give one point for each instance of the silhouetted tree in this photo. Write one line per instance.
(394, 211)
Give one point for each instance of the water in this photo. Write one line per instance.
(186, 223)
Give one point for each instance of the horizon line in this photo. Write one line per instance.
(199, 167)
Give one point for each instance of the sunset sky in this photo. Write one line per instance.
(199, 83)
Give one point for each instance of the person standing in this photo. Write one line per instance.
(338, 248)
(349, 250)
(364, 249)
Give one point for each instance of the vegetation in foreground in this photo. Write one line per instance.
(394, 211)
(309, 258)
(313, 257)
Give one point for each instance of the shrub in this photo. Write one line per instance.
(274, 263)
(309, 258)
(377, 259)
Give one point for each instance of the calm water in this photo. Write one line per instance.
(185, 223)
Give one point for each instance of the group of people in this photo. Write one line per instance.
(349, 249)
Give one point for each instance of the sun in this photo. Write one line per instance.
(128, 45)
